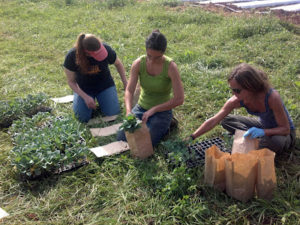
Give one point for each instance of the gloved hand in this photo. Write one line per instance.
(255, 132)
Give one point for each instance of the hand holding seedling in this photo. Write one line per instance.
(90, 102)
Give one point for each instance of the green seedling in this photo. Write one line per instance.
(130, 124)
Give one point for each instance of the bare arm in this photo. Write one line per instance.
(89, 101)
(129, 92)
(121, 70)
(282, 121)
(209, 124)
(178, 93)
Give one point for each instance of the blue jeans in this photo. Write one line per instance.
(158, 124)
(108, 102)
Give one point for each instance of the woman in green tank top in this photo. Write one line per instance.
(161, 88)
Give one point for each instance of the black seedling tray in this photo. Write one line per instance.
(71, 166)
(64, 168)
(197, 151)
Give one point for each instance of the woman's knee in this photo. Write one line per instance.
(121, 136)
(83, 116)
(159, 126)
(81, 111)
(109, 102)
(226, 123)
(277, 144)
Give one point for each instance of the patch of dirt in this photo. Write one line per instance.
(292, 17)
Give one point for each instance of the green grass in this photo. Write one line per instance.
(35, 35)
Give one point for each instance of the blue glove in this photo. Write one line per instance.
(255, 132)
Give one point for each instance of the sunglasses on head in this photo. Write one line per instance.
(236, 90)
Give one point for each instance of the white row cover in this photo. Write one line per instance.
(268, 3)
(222, 1)
(286, 5)
(289, 8)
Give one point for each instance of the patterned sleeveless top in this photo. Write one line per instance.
(267, 118)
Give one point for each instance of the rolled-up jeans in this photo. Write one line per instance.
(108, 103)
(158, 124)
(276, 143)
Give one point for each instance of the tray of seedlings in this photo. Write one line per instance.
(177, 151)
(46, 144)
(19, 107)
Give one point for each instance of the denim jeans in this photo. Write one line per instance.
(277, 143)
(158, 124)
(108, 103)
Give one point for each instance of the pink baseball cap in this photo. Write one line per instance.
(99, 54)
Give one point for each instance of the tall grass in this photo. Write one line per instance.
(36, 35)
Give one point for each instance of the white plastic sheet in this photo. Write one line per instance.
(289, 8)
(267, 3)
(222, 1)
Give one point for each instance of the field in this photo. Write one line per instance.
(36, 35)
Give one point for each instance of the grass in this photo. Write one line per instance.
(36, 35)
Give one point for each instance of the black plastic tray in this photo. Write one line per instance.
(71, 166)
(197, 151)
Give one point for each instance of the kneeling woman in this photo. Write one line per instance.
(158, 76)
(88, 74)
(252, 91)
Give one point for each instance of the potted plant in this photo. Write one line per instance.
(138, 137)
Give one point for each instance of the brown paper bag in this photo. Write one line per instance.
(266, 177)
(240, 171)
(140, 142)
(214, 174)
(243, 144)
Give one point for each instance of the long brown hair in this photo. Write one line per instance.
(86, 42)
(250, 78)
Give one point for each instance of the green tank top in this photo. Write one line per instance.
(157, 89)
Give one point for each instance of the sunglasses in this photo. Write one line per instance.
(236, 90)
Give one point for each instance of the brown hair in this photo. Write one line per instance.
(250, 78)
(156, 41)
(86, 42)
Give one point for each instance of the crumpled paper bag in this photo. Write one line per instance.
(266, 176)
(241, 172)
(243, 144)
(139, 142)
(214, 174)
